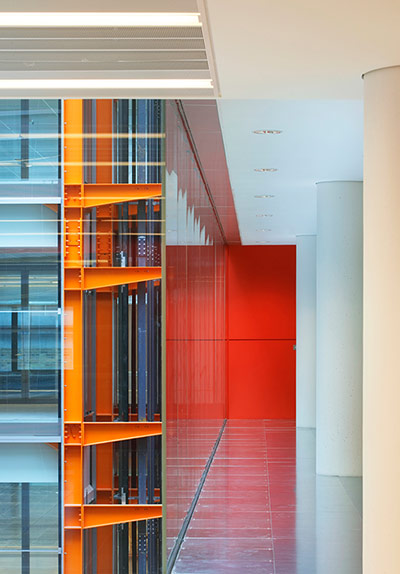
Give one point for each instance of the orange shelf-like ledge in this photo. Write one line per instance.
(85, 278)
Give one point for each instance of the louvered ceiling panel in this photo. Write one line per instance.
(165, 53)
(131, 44)
(90, 32)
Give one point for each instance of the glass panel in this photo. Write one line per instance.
(195, 324)
(30, 338)
(10, 562)
(5, 342)
(10, 146)
(43, 288)
(29, 529)
(30, 314)
(44, 563)
(44, 151)
(29, 141)
(10, 289)
(43, 499)
(39, 562)
(10, 513)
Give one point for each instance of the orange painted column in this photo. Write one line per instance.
(73, 339)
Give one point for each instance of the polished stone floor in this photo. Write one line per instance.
(263, 510)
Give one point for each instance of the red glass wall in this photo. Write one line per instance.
(195, 324)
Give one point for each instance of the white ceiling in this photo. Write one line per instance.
(320, 141)
(99, 6)
(281, 49)
(294, 66)
(289, 65)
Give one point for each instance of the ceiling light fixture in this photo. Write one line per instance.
(263, 229)
(99, 19)
(271, 132)
(264, 215)
(102, 84)
(266, 169)
(263, 196)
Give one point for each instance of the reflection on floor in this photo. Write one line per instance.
(263, 509)
(189, 446)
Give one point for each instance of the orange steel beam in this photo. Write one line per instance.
(99, 194)
(97, 515)
(100, 433)
(84, 278)
(91, 433)
(112, 276)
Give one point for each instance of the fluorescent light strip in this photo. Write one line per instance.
(102, 84)
(100, 19)
(29, 200)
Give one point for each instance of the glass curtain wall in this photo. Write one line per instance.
(30, 336)
(195, 324)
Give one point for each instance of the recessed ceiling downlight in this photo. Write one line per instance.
(263, 230)
(262, 169)
(265, 132)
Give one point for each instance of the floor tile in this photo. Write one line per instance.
(262, 508)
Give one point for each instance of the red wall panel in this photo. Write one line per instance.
(262, 382)
(262, 292)
(261, 326)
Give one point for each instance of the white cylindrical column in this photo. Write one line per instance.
(305, 330)
(339, 328)
(382, 321)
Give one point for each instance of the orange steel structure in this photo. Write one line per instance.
(103, 432)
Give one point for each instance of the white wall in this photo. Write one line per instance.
(306, 284)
